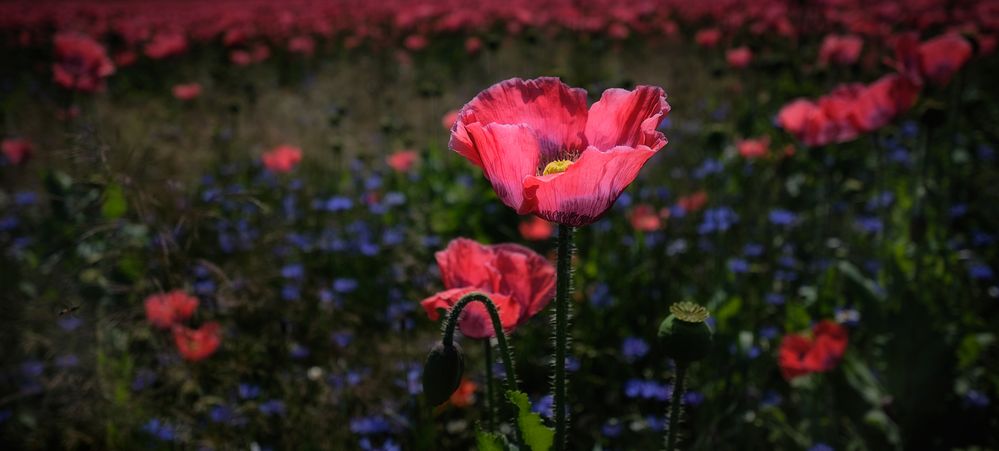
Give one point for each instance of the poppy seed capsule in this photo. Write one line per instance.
(684, 334)
(442, 372)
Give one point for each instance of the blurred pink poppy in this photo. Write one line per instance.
(518, 280)
(197, 344)
(17, 150)
(166, 44)
(708, 37)
(449, 119)
(739, 58)
(644, 218)
(941, 57)
(403, 160)
(546, 154)
(166, 309)
(282, 158)
(535, 229)
(187, 91)
(754, 147)
(81, 63)
(840, 49)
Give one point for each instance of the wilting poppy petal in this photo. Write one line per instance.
(527, 276)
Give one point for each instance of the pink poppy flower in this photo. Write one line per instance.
(197, 344)
(187, 91)
(403, 160)
(166, 309)
(472, 46)
(739, 58)
(518, 280)
(800, 355)
(941, 57)
(81, 62)
(166, 44)
(546, 154)
(17, 150)
(843, 50)
(303, 45)
(449, 119)
(282, 158)
(753, 148)
(535, 229)
(644, 218)
(708, 37)
(693, 202)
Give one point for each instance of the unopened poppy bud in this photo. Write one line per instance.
(684, 334)
(442, 372)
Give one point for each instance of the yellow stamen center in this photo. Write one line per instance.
(556, 167)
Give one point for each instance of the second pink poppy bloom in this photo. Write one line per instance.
(546, 153)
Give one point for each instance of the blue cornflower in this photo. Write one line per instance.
(869, 224)
(345, 285)
(693, 398)
(160, 429)
(600, 297)
(717, 220)
(782, 217)
(611, 428)
(369, 425)
(143, 379)
(738, 266)
(980, 271)
(294, 271)
(544, 406)
(821, 447)
(976, 398)
(248, 391)
(272, 407)
(708, 167)
(752, 250)
(774, 298)
(634, 348)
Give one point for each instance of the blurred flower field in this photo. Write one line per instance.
(241, 225)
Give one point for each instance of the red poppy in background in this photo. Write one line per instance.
(693, 202)
(518, 280)
(282, 159)
(546, 154)
(81, 63)
(166, 309)
(449, 119)
(303, 45)
(187, 91)
(800, 355)
(166, 44)
(197, 344)
(840, 49)
(708, 37)
(403, 160)
(739, 58)
(535, 229)
(644, 218)
(754, 147)
(17, 150)
(880, 102)
(941, 57)
(464, 396)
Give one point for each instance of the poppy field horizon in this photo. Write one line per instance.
(523, 225)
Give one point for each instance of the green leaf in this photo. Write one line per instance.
(114, 205)
(488, 441)
(537, 436)
(868, 285)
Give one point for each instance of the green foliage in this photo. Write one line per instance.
(537, 436)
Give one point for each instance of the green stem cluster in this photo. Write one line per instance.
(510, 381)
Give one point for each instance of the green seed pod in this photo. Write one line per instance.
(442, 372)
(684, 334)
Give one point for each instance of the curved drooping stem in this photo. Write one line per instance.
(562, 286)
(674, 407)
(510, 380)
